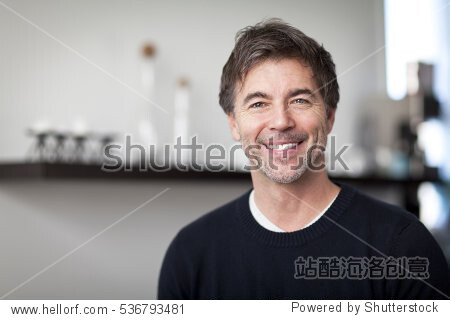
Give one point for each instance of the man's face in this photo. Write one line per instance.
(279, 115)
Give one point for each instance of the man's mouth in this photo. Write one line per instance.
(282, 145)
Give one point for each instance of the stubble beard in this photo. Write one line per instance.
(284, 171)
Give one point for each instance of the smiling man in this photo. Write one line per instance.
(296, 234)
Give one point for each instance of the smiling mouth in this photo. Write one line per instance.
(282, 146)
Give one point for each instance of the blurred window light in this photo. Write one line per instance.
(413, 32)
(432, 140)
(433, 207)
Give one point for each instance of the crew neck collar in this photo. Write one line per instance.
(299, 237)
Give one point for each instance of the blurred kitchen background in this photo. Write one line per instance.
(76, 76)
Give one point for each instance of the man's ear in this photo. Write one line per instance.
(331, 112)
(233, 127)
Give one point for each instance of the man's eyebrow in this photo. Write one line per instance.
(298, 91)
(256, 94)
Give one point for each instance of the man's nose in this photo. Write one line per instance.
(281, 119)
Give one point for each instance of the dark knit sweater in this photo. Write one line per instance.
(226, 254)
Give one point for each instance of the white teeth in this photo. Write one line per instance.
(282, 146)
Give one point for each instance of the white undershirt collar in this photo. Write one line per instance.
(266, 223)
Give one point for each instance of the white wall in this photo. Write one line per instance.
(42, 79)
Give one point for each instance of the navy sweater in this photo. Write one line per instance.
(226, 254)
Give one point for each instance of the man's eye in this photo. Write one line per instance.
(300, 101)
(257, 105)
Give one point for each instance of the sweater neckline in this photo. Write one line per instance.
(299, 237)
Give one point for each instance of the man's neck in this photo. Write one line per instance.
(291, 206)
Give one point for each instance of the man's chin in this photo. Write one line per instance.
(283, 176)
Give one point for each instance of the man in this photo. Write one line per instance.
(296, 235)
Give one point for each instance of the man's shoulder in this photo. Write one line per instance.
(398, 233)
(378, 217)
(378, 210)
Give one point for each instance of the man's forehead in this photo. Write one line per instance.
(263, 76)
